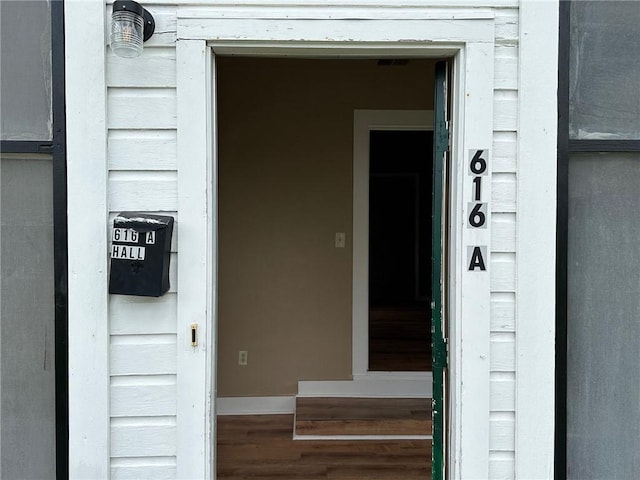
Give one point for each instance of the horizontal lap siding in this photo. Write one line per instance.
(142, 150)
(143, 191)
(144, 399)
(142, 108)
(157, 70)
(503, 275)
(143, 354)
(505, 147)
(142, 156)
(140, 438)
(143, 471)
(152, 315)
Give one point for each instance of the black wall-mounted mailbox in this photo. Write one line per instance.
(140, 254)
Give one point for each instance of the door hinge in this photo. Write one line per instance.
(446, 352)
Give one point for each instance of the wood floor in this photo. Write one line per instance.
(363, 416)
(261, 447)
(399, 340)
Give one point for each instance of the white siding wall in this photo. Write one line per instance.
(503, 247)
(142, 159)
(141, 108)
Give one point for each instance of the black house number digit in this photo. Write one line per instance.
(477, 185)
(477, 218)
(478, 164)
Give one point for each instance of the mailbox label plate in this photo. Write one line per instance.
(124, 235)
(127, 252)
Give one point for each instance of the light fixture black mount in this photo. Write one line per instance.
(131, 25)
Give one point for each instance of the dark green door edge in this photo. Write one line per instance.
(439, 351)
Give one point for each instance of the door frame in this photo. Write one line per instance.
(201, 35)
(363, 122)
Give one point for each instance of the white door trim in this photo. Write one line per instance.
(363, 122)
(535, 299)
(197, 260)
(471, 43)
(87, 211)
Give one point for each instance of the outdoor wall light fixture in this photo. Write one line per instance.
(131, 25)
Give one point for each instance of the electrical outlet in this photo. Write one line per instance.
(243, 357)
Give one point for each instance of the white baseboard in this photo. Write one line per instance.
(377, 384)
(255, 405)
(372, 385)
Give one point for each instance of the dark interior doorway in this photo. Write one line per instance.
(400, 180)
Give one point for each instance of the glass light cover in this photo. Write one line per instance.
(126, 34)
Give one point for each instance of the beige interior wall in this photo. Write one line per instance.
(285, 189)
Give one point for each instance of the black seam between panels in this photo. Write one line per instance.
(60, 238)
(576, 146)
(560, 461)
(25, 146)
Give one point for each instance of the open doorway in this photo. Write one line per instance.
(286, 196)
(393, 166)
(400, 182)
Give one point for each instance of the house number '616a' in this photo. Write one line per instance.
(478, 169)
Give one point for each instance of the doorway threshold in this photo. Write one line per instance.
(349, 418)
(371, 385)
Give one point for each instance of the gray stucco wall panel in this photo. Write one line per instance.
(27, 393)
